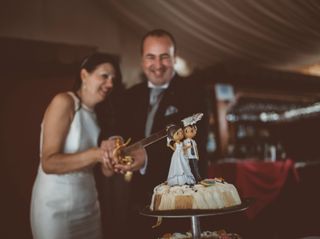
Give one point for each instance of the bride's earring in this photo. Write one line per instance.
(84, 86)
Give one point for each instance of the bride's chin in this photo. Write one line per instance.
(103, 94)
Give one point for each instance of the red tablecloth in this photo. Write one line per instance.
(257, 179)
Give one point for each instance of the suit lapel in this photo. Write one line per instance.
(144, 104)
(139, 103)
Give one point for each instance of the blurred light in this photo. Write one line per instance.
(313, 69)
(231, 117)
(182, 67)
(267, 117)
(315, 108)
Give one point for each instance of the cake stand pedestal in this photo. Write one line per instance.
(195, 215)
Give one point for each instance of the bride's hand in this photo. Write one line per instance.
(108, 146)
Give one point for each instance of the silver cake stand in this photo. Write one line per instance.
(195, 215)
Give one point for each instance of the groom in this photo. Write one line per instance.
(163, 98)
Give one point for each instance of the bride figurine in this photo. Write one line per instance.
(179, 172)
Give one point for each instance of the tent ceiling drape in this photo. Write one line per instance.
(281, 34)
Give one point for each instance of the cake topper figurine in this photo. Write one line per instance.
(179, 172)
(191, 152)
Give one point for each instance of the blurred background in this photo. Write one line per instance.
(260, 64)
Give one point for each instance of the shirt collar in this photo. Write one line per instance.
(152, 86)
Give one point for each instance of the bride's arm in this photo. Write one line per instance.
(56, 124)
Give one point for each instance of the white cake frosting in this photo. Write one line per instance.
(216, 195)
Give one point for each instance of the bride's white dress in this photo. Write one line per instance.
(66, 205)
(179, 172)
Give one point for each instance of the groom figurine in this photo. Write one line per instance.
(191, 153)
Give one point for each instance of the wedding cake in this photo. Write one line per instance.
(208, 194)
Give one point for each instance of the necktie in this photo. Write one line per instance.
(192, 149)
(154, 100)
